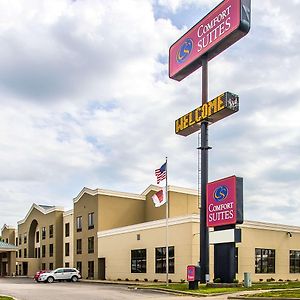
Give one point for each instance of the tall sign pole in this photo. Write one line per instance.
(204, 245)
(219, 29)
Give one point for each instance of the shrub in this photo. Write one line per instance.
(137, 279)
(280, 280)
(260, 279)
(235, 281)
(217, 280)
(126, 279)
(145, 279)
(119, 279)
(155, 280)
(182, 281)
(170, 281)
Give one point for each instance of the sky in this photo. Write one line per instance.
(86, 101)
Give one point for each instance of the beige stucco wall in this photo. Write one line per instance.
(9, 235)
(118, 259)
(54, 218)
(68, 218)
(267, 239)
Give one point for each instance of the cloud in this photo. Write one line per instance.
(86, 101)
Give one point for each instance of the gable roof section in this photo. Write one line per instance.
(5, 226)
(44, 209)
(171, 188)
(94, 192)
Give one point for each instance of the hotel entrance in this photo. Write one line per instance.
(7, 259)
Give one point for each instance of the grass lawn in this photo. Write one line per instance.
(5, 298)
(203, 289)
(280, 294)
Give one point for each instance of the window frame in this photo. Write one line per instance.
(138, 261)
(91, 222)
(294, 262)
(79, 223)
(265, 261)
(160, 260)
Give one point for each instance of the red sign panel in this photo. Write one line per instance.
(224, 203)
(191, 273)
(221, 28)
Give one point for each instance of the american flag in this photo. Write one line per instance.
(161, 173)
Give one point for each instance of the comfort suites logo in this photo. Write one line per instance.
(220, 193)
(184, 51)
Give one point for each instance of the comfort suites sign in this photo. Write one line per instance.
(218, 30)
(224, 205)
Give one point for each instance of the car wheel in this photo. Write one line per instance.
(74, 279)
(50, 279)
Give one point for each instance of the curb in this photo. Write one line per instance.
(260, 298)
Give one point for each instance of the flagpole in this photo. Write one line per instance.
(167, 225)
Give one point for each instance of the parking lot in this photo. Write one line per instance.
(27, 289)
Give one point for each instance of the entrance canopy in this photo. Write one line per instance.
(5, 247)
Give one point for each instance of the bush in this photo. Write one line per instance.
(217, 280)
(260, 279)
(155, 280)
(119, 279)
(235, 281)
(280, 279)
(145, 279)
(126, 279)
(137, 279)
(182, 281)
(170, 281)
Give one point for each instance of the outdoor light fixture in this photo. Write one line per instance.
(289, 234)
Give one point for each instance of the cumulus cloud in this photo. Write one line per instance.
(86, 101)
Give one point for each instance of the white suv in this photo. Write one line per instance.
(70, 274)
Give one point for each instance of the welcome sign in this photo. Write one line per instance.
(218, 30)
(224, 202)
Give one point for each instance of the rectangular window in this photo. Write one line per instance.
(43, 251)
(67, 265)
(43, 233)
(51, 266)
(160, 259)
(25, 238)
(67, 229)
(294, 261)
(264, 260)
(38, 252)
(20, 253)
(51, 250)
(138, 261)
(37, 237)
(43, 266)
(91, 244)
(20, 240)
(79, 266)
(67, 249)
(91, 269)
(17, 240)
(25, 253)
(91, 220)
(79, 223)
(79, 246)
(50, 231)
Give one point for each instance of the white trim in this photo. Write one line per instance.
(94, 192)
(68, 213)
(171, 188)
(270, 226)
(42, 210)
(7, 227)
(149, 225)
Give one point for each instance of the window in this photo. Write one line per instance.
(6, 241)
(25, 253)
(79, 246)
(25, 238)
(17, 240)
(79, 224)
(91, 244)
(294, 261)
(67, 229)
(43, 266)
(67, 249)
(51, 266)
(51, 250)
(38, 252)
(67, 265)
(91, 269)
(91, 220)
(20, 240)
(20, 253)
(79, 266)
(43, 251)
(138, 261)
(43, 233)
(50, 231)
(264, 260)
(37, 237)
(160, 259)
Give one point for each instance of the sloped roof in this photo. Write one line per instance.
(8, 247)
